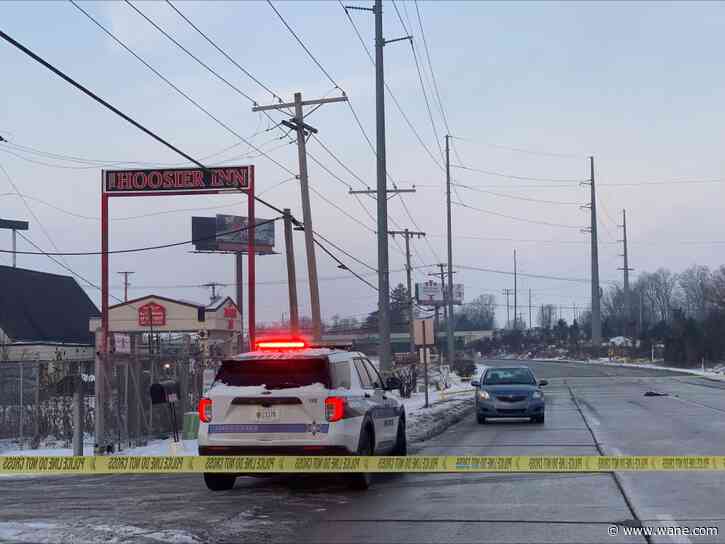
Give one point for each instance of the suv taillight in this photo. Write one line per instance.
(205, 410)
(334, 408)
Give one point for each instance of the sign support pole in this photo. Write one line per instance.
(102, 342)
(251, 316)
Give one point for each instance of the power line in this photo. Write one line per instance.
(302, 44)
(532, 221)
(141, 249)
(163, 78)
(511, 176)
(390, 92)
(63, 265)
(343, 265)
(226, 55)
(30, 210)
(118, 112)
(537, 276)
(522, 150)
(502, 195)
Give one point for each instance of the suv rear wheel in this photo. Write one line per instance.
(219, 482)
(362, 480)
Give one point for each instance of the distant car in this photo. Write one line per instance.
(505, 392)
(287, 398)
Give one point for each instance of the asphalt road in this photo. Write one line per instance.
(591, 410)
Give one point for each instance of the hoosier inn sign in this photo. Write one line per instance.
(175, 179)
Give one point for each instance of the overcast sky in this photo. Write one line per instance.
(637, 85)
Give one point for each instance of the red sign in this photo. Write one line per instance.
(230, 311)
(151, 314)
(179, 179)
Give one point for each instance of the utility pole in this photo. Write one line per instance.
(449, 321)
(596, 313)
(125, 274)
(303, 130)
(382, 190)
(531, 323)
(14, 226)
(213, 285)
(408, 234)
(291, 273)
(626, 269)
(515, 294)
(507, 292)
(444, 291)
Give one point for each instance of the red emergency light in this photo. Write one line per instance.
(281, 344)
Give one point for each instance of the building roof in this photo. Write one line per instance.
(41, 307)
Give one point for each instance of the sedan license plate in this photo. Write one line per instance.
(267, 414)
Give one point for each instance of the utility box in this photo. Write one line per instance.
(191, 426)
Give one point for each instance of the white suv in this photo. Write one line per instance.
(286, 398)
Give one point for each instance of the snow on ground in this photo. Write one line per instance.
(445, 408)
(716, 373)
(42, 532)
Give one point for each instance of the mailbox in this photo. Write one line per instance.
(164, 392)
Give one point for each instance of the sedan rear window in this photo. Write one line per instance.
(275, 373)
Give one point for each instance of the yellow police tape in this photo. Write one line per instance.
(343, 464)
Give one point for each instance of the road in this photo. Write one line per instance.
(591, 410)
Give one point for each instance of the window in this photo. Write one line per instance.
(374, 374)
(362, 372)
(341, 376)
(509, 376)
(275, 373)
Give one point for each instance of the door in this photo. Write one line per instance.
(386, 410)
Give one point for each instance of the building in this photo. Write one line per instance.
(43, 317)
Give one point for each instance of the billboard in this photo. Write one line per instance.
(224, 233)
(179, 179)
(430, 293)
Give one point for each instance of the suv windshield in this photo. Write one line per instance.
(509, 376)
(275, 373)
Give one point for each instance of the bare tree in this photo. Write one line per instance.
(716, 296)
(546, 316)
(659, 290)
(695, 283)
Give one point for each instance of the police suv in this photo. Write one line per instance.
(287, 398)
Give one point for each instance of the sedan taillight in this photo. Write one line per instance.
(205, 410)
(334, 408)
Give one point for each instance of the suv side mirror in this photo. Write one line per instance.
(393, 383)
(475, 383)
(542, 383)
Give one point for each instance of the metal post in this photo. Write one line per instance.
(15, 248)
(531, 323)
(99, 387)
(102, 334)
(125, 275)
(507, 292)
(382, 196)
(239, 269)
(516, 304)
(449, 323)
(251, 271)
(20, 426)
(626, 269)
(78, 413)
(596, 315)
(291, 273)
(411, 314)
(425, 362)
(307, 220)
